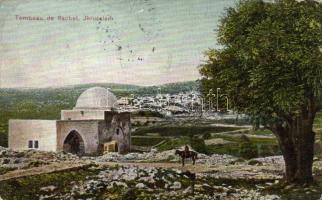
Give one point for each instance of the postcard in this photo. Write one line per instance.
(161, 99)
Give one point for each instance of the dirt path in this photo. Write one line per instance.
(55, 167)
(256, 172)
(62, 166)
(198, 168)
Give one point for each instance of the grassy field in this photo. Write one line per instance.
(151, 141)
(174, 143)
(246, 147)
(175, 136)
(181, 130)
(233, 145)
(237, 146)
(262, 132)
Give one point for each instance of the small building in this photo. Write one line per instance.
(85, 129)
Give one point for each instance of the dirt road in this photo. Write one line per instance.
(224, 171)
(198, 168)
(62, 166)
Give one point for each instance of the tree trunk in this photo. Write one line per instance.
(305, 154)
(296, 141)
(288, 151)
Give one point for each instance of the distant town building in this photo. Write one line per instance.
(123, 101)
(85, 129)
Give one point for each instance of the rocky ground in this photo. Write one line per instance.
(153, 175)
(13, 160)
(154, 183)
(165, 156)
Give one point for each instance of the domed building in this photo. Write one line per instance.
(96, 98)
(88, 128)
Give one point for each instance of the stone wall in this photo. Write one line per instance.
(51, 134)
(88, 130)
(124, 120)
(117, 126)
(23, 131)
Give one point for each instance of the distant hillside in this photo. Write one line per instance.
(46, 103)
(170, 88)
(122, 89)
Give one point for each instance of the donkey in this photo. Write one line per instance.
(187, 154)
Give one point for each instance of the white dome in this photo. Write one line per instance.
(96, 98)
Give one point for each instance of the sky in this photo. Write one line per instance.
(142, 42)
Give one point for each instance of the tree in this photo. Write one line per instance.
(198, 144)
(247, 149)
(270, 65)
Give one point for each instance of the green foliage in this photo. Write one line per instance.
(174, 143)
(318, 123)
(236, 139)
(248, 150)
(198, 144)
(270, 63)
(3, 139)
(146, 141)
(143, 113)
(206, 136)
(262, 132)
(130, 194)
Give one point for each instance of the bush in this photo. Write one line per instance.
(244, 138)
(130, 194)
(143, 113)
(3, 140)
(198, 144)
(206, 136)
(248, 150)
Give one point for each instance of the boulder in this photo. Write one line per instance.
(140, 186)
(176, 185)
(131, 156)
(48, 188)
(271, 197)
(118, 183)
(188, 190)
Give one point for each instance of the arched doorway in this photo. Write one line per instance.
(74, 143)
